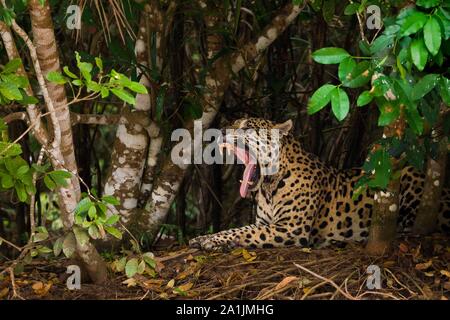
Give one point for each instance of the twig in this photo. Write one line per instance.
(347, 295)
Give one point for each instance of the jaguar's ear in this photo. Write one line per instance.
(284, 127)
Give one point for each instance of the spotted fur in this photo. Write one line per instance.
(308, 203)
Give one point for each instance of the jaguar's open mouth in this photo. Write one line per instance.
(250, 178)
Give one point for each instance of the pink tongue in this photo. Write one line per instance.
(249, 168)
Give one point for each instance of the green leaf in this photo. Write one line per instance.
(20, 190)
(69, 73)
(345, 68)
(85, 68)
(381, 43)
(320, 98)
(10, 91)
(113, 231)
(58, 246)
(93, 232)
(40, 236)
(424, 86)
(124, 95)
(99, 63)
(49, 182)
(112, 220)
(351, 9)
(22, 170)
(364, 98)
(7, 181)
(419, 53)
(389, 111)
(297, 2)
(137, 87)
(8, 149)
(359, 76)
(340, 103)
(105, 92)
(131, 267)
(77, 82)
(432, 35)
(111, 200)
(92, 212)
(60, 177)
(382, 167)
(149, 259)
(330, 55)
(444, 90)
(83, 205)
(56, 77)
(427, 3)
(413, 23)
(26, 100)
(328, 9)
(414, 119)
(12, 66)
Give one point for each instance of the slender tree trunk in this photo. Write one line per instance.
(383, 228)
(47, 52)
(427, 213)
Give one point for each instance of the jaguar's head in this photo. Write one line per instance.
(256, 143)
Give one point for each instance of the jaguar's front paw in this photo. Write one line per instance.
(211, 243)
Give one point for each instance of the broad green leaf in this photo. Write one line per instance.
(112, 220)
(381, 43)
(124, 95)
(20, 191)
(413, 23)
(40, 236)
(7, 181)
(10, 91)
(444, 90)
(93, 232)
(419, 53)
(137, 87)
(427, 3)
(345, 68)
(8, 149)
(26, 100)
(105, 92)
(382, 168)
(330, 55)
(56, 77)
(12, 66)
(149, 259)
(58, 246)
(389, 111)
(351, 9)
(340, 103)
(111, 200)
(92, 212)
(432, 35)
(113, 231)
(364, 98)
(424, 86)
(414, 119)
(60, 177)
(131, 267)
(328, 9)
(359, 76)
(49, 182)
(83, 205)
(22, 170)
(320, 98)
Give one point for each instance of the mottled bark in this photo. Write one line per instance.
(47, 52)
(427, 213)
(130, 146)
(217, 81)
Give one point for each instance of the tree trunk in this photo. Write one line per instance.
(47, 52)
(427, 213)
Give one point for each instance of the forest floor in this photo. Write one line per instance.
(413, 270)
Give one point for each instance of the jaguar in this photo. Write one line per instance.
(302, 201)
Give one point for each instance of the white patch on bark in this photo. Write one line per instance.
(131, 141)
(393, 207)
(436, 183)
(129, 203)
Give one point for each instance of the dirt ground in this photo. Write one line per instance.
(413, 270)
